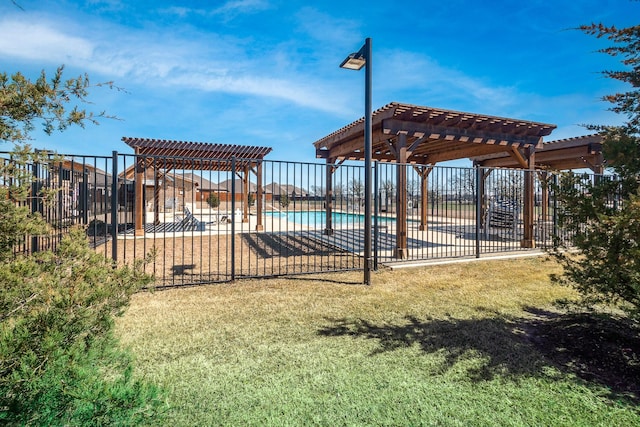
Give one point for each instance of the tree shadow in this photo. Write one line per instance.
(511, 347)
(598, 348)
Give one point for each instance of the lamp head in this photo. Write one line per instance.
(354, 61)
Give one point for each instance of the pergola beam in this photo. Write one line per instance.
(566, 154)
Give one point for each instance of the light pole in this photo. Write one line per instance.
(356, 61)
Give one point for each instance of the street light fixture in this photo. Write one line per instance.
(356, 61)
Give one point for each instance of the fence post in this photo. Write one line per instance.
(233, 216)
(114, 206)
(479, 196)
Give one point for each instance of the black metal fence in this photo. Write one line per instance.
(211, 223)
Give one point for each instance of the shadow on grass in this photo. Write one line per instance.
(598, 348)
(605, 351)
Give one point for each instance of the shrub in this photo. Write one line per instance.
(213, 200)
(284, 200)
(59, 361)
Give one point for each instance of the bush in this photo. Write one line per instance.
(96, 227)
(213, 200)
(59, 361)
(284, 200)
(605, 231)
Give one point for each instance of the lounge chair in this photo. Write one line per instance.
(502, 214)
(190, 223)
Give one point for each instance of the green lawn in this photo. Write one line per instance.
(454, 345)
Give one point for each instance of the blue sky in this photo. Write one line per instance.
(265, 72)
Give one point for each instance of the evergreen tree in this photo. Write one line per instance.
(60, 363)
(602, 214)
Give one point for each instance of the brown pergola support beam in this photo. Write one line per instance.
(259, 192)
(245, 194)
(528, 240)
(156, 197)
(401, 201)
(598, 167)
(544, 178)
(519, 157)
(139, 198)
(423, 172)
(328, 229)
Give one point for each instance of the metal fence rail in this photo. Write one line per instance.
(211, 223)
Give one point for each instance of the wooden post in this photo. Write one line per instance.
(328, 229)
(156, 197)
(544, 183)
(259, 226)
(139, 197)
(401, 198)
(245, 195)
(424, 172)
(528, 240)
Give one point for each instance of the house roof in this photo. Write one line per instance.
(171, 154)
(433, 135)
(226, 186)
(95, 176)
(202, 183)
(277, 189)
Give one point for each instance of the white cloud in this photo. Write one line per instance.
(42, 42)
(420, 75)
(233, 7)
(228, 10)
(151, 59)
(326, 28)
(105, 5)
(180, 11)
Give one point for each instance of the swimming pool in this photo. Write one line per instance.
(318, 218)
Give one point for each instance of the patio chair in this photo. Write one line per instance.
(188, 222)
(502, 214)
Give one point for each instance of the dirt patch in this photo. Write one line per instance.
(218, 258)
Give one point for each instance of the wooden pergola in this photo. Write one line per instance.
(167, 155)
(423, 136)
(582, 152)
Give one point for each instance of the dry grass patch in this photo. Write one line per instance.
(444, 345)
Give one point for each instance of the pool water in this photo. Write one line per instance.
(317, 218)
